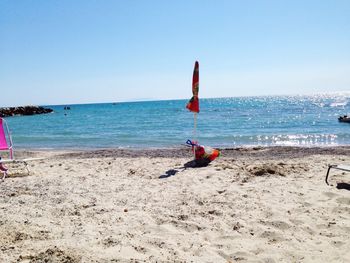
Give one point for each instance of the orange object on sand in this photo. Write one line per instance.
(203, 152)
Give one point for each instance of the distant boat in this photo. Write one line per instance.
(344, 118)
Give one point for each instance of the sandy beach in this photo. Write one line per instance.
(250, 205)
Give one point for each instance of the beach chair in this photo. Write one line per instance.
(339, 167)
(6, 145)
(5, 138)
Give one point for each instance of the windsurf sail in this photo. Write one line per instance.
(193, 104)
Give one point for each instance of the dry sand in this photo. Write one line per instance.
(249, 205)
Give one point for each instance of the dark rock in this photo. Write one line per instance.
(26, 110)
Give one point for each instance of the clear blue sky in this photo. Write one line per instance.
(66, 51)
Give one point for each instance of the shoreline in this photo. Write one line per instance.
(179, 152)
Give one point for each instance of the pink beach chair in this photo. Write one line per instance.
(7, 145)
(5, 138)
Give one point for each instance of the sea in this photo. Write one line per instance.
(221, 122)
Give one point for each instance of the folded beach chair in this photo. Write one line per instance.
(7, 146)
(339, 167)
(5, 143)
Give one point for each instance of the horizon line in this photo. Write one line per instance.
(167, 99)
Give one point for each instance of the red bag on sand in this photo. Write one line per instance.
(203, 152)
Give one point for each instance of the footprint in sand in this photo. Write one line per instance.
(341, 210)
(239, 256)
(272, 236)
(337, 244)
(188, 227)
(330, 195)
(52, 255)
(343, 201)
(279, 225)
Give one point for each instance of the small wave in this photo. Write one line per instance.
(339, 104)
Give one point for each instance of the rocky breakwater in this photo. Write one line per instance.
(26, 110)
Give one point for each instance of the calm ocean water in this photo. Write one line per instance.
(224, 122)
